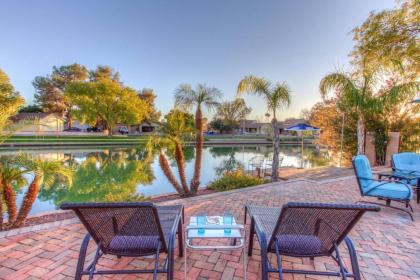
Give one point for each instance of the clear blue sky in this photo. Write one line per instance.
(160, 44)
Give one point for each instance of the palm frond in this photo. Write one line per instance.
(253, 85)
(185, 97)
(209, 96)
(336, 81)
(400, 93)
(280, 97)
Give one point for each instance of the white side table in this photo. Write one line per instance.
(215, 229)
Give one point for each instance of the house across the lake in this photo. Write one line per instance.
(39, 122)
(144, 128)
(253, 127)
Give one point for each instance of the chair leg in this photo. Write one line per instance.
(264, 264)
(156, 262)
(180, 240)
(82, 257)
(353, 258)
(251, 237)
(390, 206)
(170, 272)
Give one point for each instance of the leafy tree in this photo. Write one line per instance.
(390, 40)
(107, 100)
(219, 124)
(30, 109)
(186, 97)
(276, 97)
(178, 122)
(328, 116)
(10, 102)
(50, 89)
(358, 93)
(104, 72)
(149, 96)
(231, 113)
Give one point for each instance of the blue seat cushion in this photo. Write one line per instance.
(409, 162)
(390, 190)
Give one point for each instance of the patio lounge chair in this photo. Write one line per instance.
(382, 189)
(131, 229)
(305, 230)
(407, 163)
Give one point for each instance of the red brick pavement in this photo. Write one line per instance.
(388, 243)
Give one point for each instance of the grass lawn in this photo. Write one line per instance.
(76, 139)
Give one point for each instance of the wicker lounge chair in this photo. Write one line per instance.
(130, 230)
(382, 189)
(305, 230)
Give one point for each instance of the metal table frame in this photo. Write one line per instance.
(212, 228)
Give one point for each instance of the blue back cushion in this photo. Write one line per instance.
(362, 168)
(406, 161)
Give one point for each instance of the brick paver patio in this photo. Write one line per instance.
(388, 242)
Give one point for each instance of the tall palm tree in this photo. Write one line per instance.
(360, 95)
(277, 96)
(187, 98)
(175, 132)
(45, 173)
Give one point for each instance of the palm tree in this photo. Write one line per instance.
(186, 98)
(45, 173)
(277, 97)
(12, 175)
(359, 94)
(175, 130)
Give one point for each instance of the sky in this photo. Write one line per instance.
(161, 44)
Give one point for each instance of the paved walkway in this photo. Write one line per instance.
(388, 243)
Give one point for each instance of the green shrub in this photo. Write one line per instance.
(235, 180)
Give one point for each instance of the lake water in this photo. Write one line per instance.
(123, 174)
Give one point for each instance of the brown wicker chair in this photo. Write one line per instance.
(305, 230)
(131, 229)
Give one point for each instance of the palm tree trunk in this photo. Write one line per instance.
(276, 144)
(69, 120)
(195, 182)
(164, 165)
(10, 199)
(360, 135)
(28, 200)
(180, 160)
(1, 203)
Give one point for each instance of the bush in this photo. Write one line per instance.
(235, 180)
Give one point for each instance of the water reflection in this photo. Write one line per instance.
(103, 176)
(125, 174)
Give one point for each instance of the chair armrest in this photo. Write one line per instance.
(406, 171)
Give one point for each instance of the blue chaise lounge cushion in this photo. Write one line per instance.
(390, 190)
